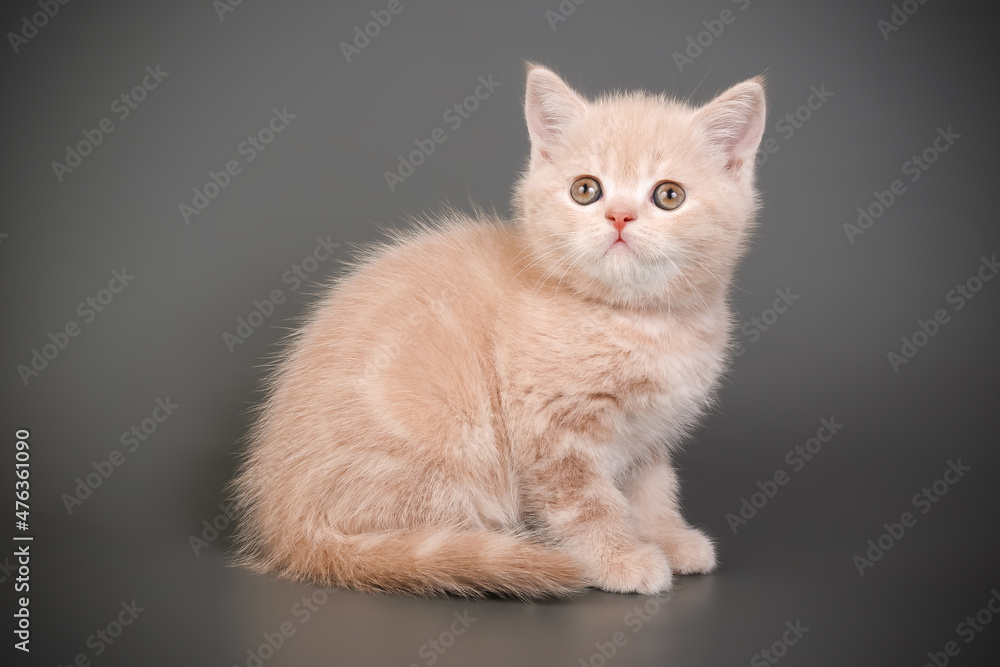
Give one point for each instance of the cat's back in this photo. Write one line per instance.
(455, 267)
(414, 310)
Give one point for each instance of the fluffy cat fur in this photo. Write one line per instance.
(482, 406)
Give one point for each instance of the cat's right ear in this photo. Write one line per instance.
(550, 107)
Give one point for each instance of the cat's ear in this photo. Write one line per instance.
(550, 107)
(733, 124)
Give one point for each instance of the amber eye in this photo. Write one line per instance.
(585, 190)
(668, 195)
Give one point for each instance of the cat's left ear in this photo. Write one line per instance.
(733, 124)
(550, 108)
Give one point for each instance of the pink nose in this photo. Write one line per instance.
(620, 218)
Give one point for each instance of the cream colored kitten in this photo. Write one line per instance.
(489, 406)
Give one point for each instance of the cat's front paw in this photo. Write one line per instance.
(690, 552)
(641, 570)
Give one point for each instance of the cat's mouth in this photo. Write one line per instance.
(619, 246)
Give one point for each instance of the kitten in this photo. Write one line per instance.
(484, 406)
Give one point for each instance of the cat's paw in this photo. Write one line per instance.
(690, 551)
(641, 570)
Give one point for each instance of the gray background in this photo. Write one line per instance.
(323, 175)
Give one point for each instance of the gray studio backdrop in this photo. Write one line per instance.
(178, 178)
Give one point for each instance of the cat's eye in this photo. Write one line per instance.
(585, 190)
(668, 195)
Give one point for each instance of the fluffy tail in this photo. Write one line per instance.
(432, 560)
